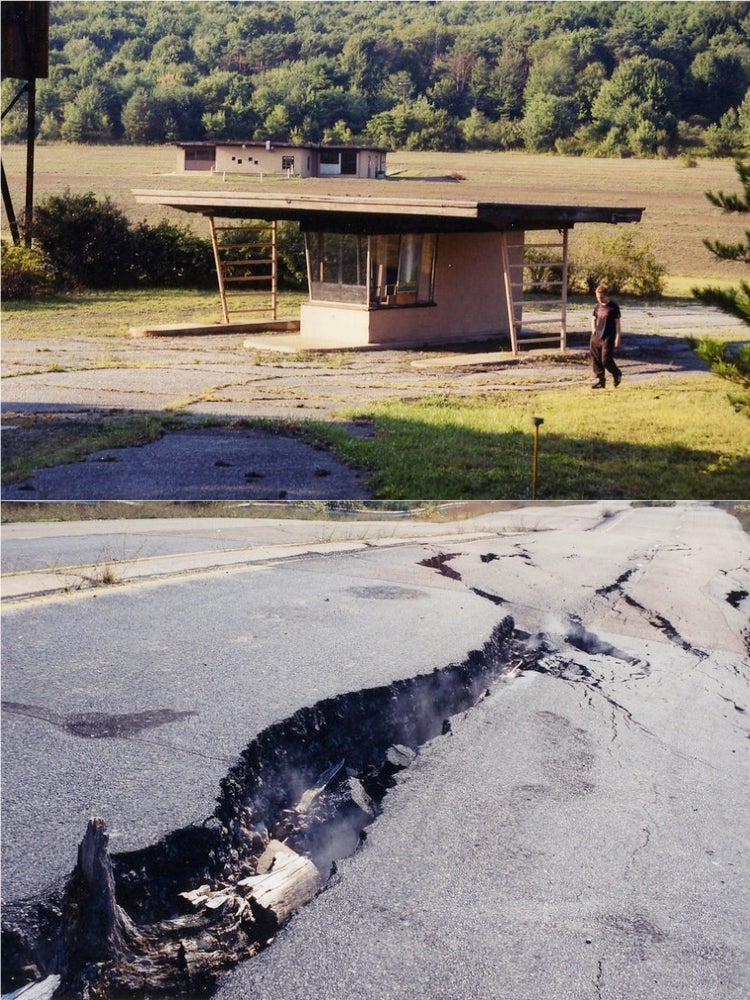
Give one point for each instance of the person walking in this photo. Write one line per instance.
(605, 337)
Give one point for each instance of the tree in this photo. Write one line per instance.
(725, 138)
(86, 118)
(719, 81)
(733, 366)
(548, 117)
(140, 118)
(734, 301)
(640, 90)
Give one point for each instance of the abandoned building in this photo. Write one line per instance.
(274, 158)
(398, 272)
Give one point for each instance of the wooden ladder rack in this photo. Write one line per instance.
(250, 282)
(517, 284)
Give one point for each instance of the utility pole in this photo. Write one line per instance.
(25, 55)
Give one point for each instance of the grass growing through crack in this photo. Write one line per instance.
(681, 441)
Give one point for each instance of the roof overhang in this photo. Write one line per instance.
(371, 215)
(276, 144)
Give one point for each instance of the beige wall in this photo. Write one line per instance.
(349, 325)
(469, 295)
(268, 161)
(236, 160)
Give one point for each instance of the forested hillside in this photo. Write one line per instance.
(616, 79)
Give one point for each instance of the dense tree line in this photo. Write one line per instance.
(601, 78)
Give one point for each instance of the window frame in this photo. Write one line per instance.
(398, 270)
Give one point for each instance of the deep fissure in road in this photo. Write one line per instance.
(170, 918)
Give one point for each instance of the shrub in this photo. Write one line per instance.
(89, 243)
(170, 256)
(619, 261)
(26, 272)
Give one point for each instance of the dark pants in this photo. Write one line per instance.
(602, 357)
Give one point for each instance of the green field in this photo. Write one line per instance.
(677, 215)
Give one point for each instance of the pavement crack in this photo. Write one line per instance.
(599, 979)
(654, 618)
(169, 918)
(440, 562)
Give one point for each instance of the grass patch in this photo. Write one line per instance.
(682, 441)
(111, 314)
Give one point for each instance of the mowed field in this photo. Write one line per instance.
(676, 219)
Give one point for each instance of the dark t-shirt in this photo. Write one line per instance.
(605, 314)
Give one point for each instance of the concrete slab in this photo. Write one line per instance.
(211, 329)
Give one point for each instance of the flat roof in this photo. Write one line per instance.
(280, 143)
(377, 213)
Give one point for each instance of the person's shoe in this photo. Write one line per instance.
(598, 385)
(617, 379)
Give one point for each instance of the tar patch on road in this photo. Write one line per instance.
(99, 725)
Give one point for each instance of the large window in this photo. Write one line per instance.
(200, 157)
(402, 270)
(337, 266)
(330, 162)
(378, 271)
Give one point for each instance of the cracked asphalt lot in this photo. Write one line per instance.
(581, 833)
(87, 379)
(218, 375)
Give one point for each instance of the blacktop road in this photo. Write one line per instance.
(582, 832)
(218, 377)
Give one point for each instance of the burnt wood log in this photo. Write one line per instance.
(285, 882)
(95, 929)
(103, 953)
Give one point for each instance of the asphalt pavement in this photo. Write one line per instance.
(582, 832)
(201, 463)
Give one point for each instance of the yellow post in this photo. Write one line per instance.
(536, 421)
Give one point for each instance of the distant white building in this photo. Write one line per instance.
(306, 160)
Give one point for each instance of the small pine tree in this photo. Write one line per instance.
(733, 366)
(734, 301)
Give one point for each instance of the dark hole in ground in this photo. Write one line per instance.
(588, 642)
(736, 597)
(495, 598)
(314, 781)
(617, 585)
(440, 561)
